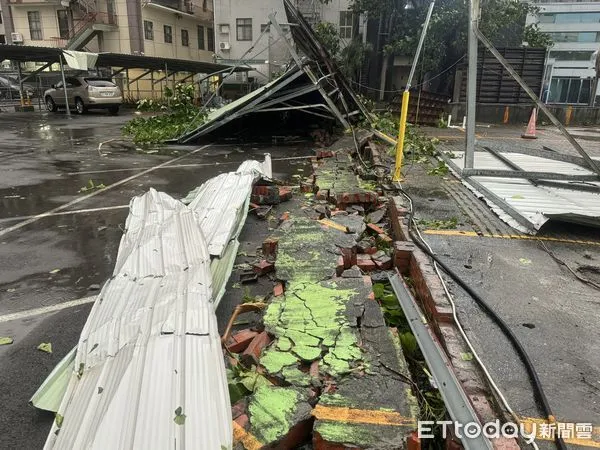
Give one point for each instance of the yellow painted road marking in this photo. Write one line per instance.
(331, 224)
(522, 237)
(248, 440)
(528, 423)
(370, 416)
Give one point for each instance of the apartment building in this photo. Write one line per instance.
(239, 23)
(180, 29)
(575, 29)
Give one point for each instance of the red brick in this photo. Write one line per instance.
(402, 254)
(263, 267)
(242, 420)
(269, 247)
(254, 205)
(285, 193)
(413, 442)
(340, 266)
(375, 228)
(256, 347)
(238, 409)
(285, 216)
(325, 154)
(349, 256)
(278, 289)
(240, 341)
(365, 263)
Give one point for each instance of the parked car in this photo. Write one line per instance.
(85, 93)
(9, 88)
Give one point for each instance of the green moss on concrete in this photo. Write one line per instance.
(306, 353)
(347, 433)
(283, 344)
(271, 409)
(312, 317)
(274, 360)
(296, 377)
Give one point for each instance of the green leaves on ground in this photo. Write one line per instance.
(434, 224)
(5, 340)
(45, 347)
(91, 186)
(179, 114)
(441, 169)
(392, 311)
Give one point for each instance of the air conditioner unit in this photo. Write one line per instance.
(17, 38)
(224, 46)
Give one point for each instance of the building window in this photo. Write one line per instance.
(244, 29)
(264, 27)
(571, 55)
(200, 37)
(63, 23)
(573, 36)
(346, 24)
(185, 38)
(35, 25)
(576, 17)
(148, 30)
(210, 39)
(569, 90)
(2, 39)
(168, 32)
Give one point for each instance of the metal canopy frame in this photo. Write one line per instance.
(456, 401)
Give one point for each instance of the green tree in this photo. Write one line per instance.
(350, 58)
(502, 21)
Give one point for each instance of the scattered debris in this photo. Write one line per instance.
(45, 347)
(5, 340)
(91, 186)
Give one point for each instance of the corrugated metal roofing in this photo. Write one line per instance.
(536, 204)
(148, 371)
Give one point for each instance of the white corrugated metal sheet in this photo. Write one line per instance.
(150, 351)
(537, 204)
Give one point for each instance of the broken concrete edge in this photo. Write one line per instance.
(410, 260)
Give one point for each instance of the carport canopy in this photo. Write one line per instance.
(25, 53)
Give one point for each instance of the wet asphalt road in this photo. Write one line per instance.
(45, 159)
(554, 315)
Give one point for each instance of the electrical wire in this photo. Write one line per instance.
(536, 384)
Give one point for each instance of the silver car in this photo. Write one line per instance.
(85, 93)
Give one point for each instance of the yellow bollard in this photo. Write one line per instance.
(568, 115)
(400, 144)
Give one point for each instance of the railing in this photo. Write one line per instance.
(82, 24)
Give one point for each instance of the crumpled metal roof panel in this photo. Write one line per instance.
(150, 351)
(537, 204)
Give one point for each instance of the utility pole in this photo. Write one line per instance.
(405, 97)
(471, 84)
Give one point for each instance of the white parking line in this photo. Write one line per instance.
(93, 194)
(66, 213)
(46, 309)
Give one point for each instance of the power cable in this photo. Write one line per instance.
(535, 381)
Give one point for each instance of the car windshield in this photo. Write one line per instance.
(100, 83)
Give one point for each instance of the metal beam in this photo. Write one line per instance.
(62, 74)
(140, 77)
(36, 71)
(471, 83)
(172, 72)
(308, 72)
(590, 162)
(512, 212)
(456, 401)
(291, 95)
(508, 162)
(527, 175)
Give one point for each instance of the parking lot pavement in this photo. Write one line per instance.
(48, 259)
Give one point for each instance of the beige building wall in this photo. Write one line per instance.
(49, 20)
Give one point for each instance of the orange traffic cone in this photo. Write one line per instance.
(530, 132)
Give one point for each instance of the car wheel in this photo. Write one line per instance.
(79, 106)
(113, 110)
(50, 105)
